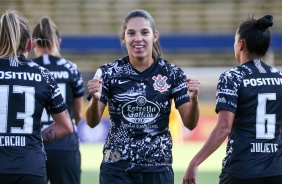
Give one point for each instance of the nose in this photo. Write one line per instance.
(138, 37)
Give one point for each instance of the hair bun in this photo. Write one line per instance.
(265, 22)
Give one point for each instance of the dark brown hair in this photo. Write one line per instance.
(256, 34)
(157, 52)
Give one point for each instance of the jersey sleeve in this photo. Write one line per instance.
(56, 102)
(179, 90)
(78, 88)
(227, 90)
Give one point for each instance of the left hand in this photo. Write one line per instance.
(193, 88)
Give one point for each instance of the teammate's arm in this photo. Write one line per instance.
(61, 127)
(216, 138)
(77, 109)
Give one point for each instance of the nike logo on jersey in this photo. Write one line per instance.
(122, 82)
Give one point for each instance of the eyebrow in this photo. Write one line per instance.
(144, 29)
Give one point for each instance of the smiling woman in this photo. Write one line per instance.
(139, 89)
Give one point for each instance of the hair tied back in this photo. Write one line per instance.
(265, 22)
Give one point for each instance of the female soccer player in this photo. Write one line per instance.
(139, 90)
(63, 156)
(25, 89)
(249, 102)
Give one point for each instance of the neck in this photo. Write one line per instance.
(41, 51)
(247, 57)
(141, 64)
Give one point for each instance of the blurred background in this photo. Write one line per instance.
(196, 35)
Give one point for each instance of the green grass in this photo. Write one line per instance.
(182, 154)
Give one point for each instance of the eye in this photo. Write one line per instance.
(145, 32)
(130, 33)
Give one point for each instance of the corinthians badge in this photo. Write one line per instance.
(160, 83)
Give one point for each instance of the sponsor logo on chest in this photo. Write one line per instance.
(140, 110)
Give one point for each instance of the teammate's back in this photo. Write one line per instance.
(26, 89)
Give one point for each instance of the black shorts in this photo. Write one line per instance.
(22, 179)
(226, 178)
(110, 176)
(63, 167)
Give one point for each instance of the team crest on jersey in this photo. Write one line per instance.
(160, 83)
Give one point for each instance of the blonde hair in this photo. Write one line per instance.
(46, 34)
(14, 34)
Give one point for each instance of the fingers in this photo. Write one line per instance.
(193, 87)
(94, 85)
(190, 176)
(193, 84)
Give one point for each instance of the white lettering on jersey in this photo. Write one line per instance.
(60, 74)
(20, 75)
(262, 81)
(264, 147)
(12, 141)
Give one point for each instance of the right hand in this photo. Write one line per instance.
(191, 173)
(95, 87)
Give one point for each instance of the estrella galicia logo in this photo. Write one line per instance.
(160, 83)
(140, 110)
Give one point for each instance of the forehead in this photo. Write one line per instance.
(138, 23)
(237, 36)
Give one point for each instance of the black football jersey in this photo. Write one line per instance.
(70, 82)
(139, 106)
(25, 90)
(253, 92)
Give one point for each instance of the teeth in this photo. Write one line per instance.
(137, 46)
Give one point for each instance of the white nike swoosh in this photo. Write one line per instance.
(121, 82)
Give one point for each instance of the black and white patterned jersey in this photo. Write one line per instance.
(25, 89)
(70, 82)
(139, 106)
(253, 92)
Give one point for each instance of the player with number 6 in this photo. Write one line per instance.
(249, 102)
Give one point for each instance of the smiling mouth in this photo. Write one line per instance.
(138, 46)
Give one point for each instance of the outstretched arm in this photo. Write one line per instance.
(216, 138)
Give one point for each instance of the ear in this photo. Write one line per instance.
(242, 44)
(59, 42)
(156, 36)
(29, 45)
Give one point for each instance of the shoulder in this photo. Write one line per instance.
(169, 67)
(66, 64)
(44, 72)
(36, 66)
(116, 67)
(238, 72)
(233, 77)
(116, 63)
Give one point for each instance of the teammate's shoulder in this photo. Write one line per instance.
(235, 74)
(36, 66)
